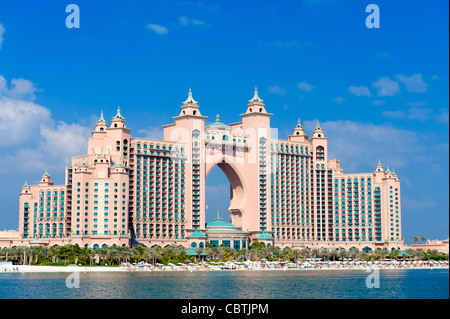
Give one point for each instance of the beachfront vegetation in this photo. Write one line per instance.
(115, 255)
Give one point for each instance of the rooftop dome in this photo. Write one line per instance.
(218, 224)
(218, 122)
(264, 235)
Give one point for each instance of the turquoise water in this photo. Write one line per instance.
(312, 284)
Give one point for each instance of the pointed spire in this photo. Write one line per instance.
(256, 97)
(298, 124)
(379, 163)
(218, 217)
(118, 115)
(101, 119)
(46, 173)
(190, 99)
(318, 126)
(26, 183)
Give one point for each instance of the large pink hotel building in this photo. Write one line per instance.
(285, 192)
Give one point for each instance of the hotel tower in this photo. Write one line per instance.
(140, 191)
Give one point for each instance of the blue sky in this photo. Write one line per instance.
(380, 94)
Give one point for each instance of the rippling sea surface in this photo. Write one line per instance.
(291, 284)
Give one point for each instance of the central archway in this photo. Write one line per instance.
(237, 189)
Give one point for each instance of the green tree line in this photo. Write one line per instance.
(115, 255)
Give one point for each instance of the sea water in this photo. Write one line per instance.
(266, 284)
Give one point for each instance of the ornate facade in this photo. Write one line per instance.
(127, 190)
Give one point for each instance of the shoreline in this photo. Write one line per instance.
(84, 269)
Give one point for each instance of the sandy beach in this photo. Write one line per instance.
(248, 265)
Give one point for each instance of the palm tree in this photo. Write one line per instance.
(296, 254)
(155, 253)
(101, 252)
(423, 239)
(342, 253)
(306, 252)
(416, 239)
(245, 253)
(354, 253)
(314, 252)
(112, 254)
(199, 251)
(334, 254)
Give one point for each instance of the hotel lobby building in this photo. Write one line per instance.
(140, 191)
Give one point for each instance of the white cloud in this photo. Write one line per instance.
(216, 191)
(29, 138)
(360, 91)
(277, 90)
(339, 100)
(2, 31)
(64, 140)
(395, 114)
(418, 204)
(19, 89)
(187, 21)
(413, 83)
(382, 55)
(156, 133)
(386, 87)
(305, 86)
(418, 112)
(378, 102)
(442, 116)
(157, 28)
(292, 44)
(3, 84)
(421, 114)
(417, 104)
(20, 121)
(359, 146)
(412, 114)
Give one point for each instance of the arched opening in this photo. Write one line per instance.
(216, 193)
(223, 181)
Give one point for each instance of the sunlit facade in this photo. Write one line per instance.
(139, 191)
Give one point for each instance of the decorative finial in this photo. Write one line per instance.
(118, 115)
(298, 124)
(26, 183)
(101, 120)
(218, 213)
(217, 117)
(190, 99)
(255, 96)
(318, 126)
